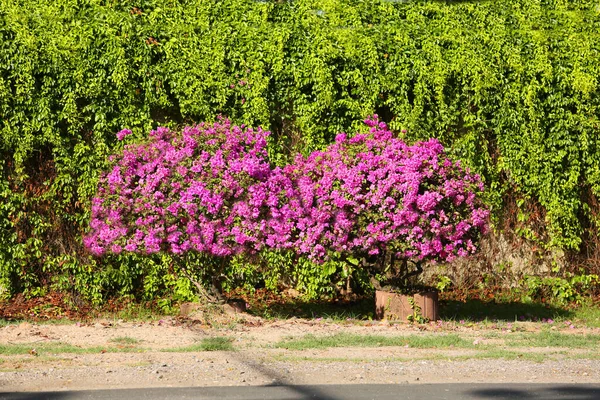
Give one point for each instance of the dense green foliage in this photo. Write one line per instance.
(511, 87)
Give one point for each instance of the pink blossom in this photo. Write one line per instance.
(123, 133)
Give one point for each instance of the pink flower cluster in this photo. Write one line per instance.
(203, 190)
(373, 193)
(212, 189)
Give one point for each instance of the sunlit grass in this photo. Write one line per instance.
(352, 340)
(553, 339)
(484, 354)
(588, 315)
(125, 340)
(36, 349)
(207, 344)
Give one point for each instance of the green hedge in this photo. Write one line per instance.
(510, 86)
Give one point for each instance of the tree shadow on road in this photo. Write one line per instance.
(579, 392)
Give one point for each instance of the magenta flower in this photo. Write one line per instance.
(122, 133)
(372, 193)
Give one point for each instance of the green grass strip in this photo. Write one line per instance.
(58, 348)
(482, 355)
(207, 344)
(554, 339)
(353, 340)
(125, 340)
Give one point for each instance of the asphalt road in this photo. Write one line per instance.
(332, 392)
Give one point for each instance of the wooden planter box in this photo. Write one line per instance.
(396, 306)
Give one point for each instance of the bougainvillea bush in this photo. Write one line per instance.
(211, 189)
(373, 192)
(203, 189)
(374, 198)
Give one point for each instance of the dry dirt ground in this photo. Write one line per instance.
(117, 354)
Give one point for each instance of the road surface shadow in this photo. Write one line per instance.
(464, 391)
(571, 392)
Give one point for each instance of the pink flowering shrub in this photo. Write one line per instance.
(211, 189)
(372, 194)
(204, 189)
